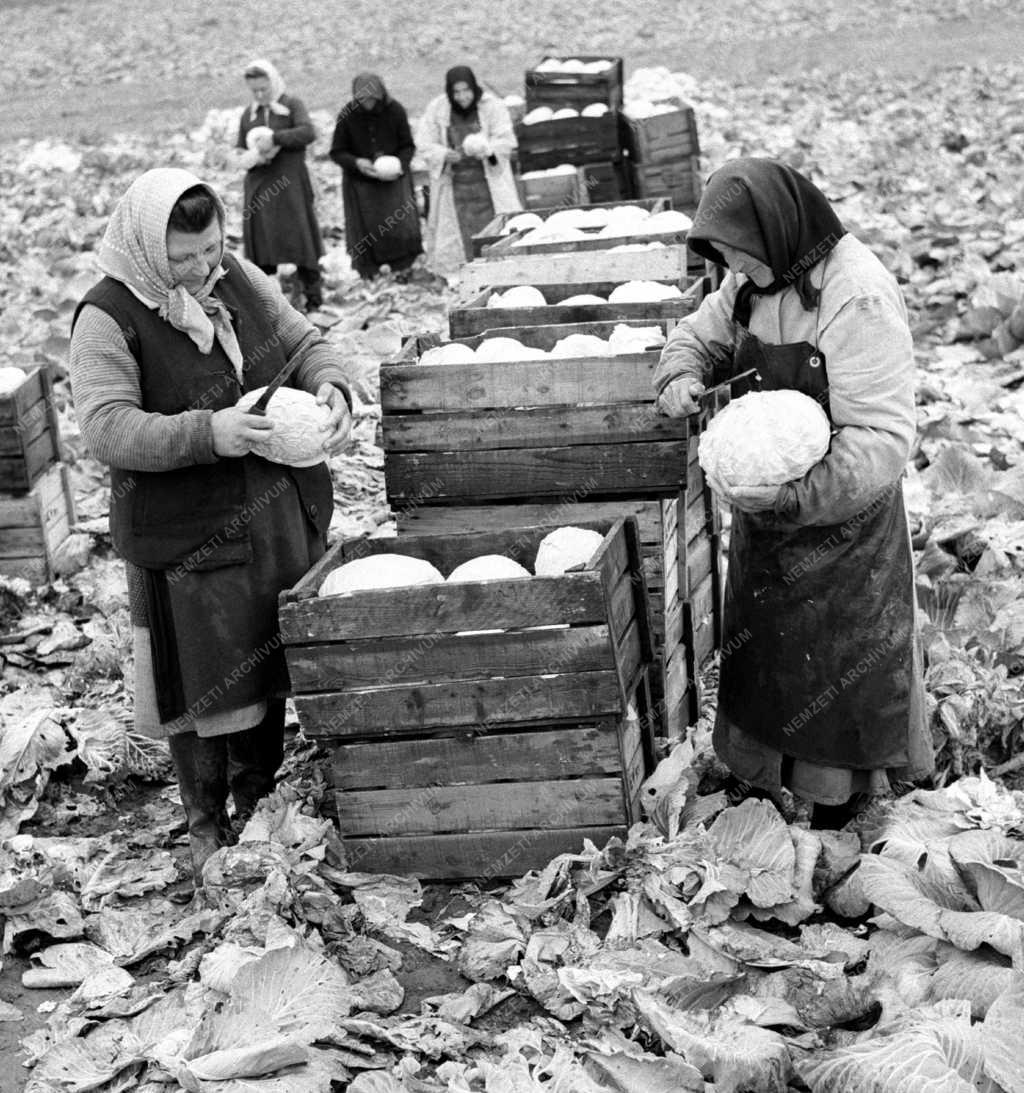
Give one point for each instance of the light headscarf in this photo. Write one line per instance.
(134, 251)
(265, 68)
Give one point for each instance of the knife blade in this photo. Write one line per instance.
(708, 400)
(259, 407)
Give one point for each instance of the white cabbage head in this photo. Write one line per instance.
(11, 378)
(450, 353)
(580, 345)
(564, 548)
(297, 439)
(765, 438)
(488, 567)
(643, 292)
(518, 296)
(506, 349)
(379, 571)
(388, 167)
(583, 298)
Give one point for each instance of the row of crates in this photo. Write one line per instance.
(627, 156)
(477, 729)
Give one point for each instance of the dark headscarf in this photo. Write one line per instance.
(770, 211)
(462, 74)
(369, 85)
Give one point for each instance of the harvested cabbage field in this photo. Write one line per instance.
(717, 947)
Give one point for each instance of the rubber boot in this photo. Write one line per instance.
(254, 757)
(201, 766)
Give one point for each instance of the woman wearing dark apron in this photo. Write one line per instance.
(821, 684)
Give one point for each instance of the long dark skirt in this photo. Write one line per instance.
(472, 197)
(214, 633)
(382, 224)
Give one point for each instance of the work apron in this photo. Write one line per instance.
(819, 620)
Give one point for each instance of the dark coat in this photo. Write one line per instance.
(278, 221)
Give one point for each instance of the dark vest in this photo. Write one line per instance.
(196, 514)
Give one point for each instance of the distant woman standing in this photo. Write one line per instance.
(466, 138)
(382, 223)
(278, 221)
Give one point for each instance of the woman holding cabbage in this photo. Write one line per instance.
(163, 348)
(373, 146)
(466, 138)
(821, 687)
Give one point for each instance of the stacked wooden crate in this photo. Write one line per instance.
(475, 446)
(664, 155)
(477, 728)
(497, 228)
(592, 143)
(36, 505)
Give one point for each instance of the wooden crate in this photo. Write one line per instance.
(566, 190)
(473, 316)
(34, 526)
(454, 750)
(547, 427)
(608, 181)
(576, 89)
(680, 181)
(663, 138)
(501, 267)
(29, 434)
(680, 540)
(495, 229)
(568, 140)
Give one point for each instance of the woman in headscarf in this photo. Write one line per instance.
(161, 350)
(382, 224)
(279, 223)
(821, 690)
(466, 138)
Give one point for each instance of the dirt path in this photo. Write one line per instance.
(141, 104)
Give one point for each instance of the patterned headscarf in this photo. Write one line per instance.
(134, 251)
(261, 67)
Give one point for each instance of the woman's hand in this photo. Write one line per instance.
(235, 431)
(452, 156)
(680, 397)
(339, 425)
(746, 498)
(366, 166)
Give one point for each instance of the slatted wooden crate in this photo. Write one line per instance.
(573, 267)
(35, 525)
(477, 728)
(576, 89)
(609, 180)
(662, 138)
(473, 316)
(511, 247)
(495, 228)
(559, 441)
(680, 181)
(29, 434)
(545, 190)
(577, 140)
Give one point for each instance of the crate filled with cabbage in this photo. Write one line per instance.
(555, 422)
(503, 224)
(548, 410)
(616, 228)
(575, 81)
(596, 301)
(484, 696)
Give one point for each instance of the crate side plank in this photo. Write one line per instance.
(488, 702)
(501, 385)
(651, 467)
(476, 758)
(340, 666)
(496, 806)
(577, 267)
(465, 322)
(475, 855)
(537, 427)
(428, 609)
(14, 405)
